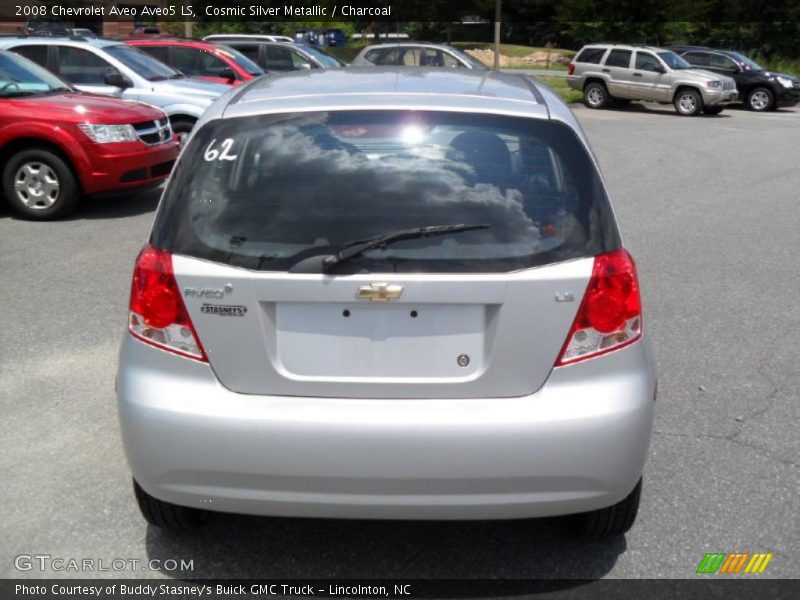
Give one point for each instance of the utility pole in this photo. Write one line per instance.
(497, 10)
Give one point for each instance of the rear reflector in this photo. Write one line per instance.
(610, 315)
(158, 315)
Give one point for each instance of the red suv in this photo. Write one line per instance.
(57, 143)
(213, 62)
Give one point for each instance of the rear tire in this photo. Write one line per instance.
(760, 99)
(688, 102)
(39, 185)
(612, 521)
(595, 95)
(713, 110)
(166, 515)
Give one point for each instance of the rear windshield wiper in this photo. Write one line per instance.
(315, 264)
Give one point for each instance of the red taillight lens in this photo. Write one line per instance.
(157, 313)
(610, 315)
(571, 69)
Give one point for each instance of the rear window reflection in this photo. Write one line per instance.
(266, 192)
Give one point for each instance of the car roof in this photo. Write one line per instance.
(392, 44)
(730, 53)
(251, 40)
(247, 36)
(65, 40)
(169, 41)
(389, 88)
(626, 47)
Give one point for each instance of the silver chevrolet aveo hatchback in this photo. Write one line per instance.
(389, 294)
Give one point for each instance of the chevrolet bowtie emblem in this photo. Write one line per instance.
(379, 292)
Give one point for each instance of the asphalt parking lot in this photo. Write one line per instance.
(710, 208)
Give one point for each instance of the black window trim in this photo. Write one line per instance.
(55, 55)
(170, 56)
(714, 53)
(646, 53)
(608, 56)
(706, 52)
(604, 52)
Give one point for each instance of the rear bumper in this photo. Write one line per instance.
(118, 167)
(575, 82)
(577, 444)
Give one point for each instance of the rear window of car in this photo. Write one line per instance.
(265, 192)
(619, 58)
(591, 55)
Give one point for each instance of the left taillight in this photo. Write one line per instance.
(571, 69)
(610, 314)
(158, 315)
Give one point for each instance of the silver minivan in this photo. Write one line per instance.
(116, 69)
(387, 293)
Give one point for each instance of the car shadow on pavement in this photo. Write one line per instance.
(115, 207)
(741, 107)
(112, 207)
(233, 546)
(660, 109)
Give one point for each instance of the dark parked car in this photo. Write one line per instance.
(759, 89)
(280, 56)
(321, 37)
(46, 27)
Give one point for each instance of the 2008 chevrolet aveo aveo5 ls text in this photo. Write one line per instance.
(388, 294)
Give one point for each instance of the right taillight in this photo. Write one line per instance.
(158, 315)
(610, 314)
(571, 69)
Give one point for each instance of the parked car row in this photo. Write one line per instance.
(180, 78)
(113, 68)
(694, 79)
(88, 116)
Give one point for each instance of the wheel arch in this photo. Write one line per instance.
(182, 116)
(595, 79)
(19, 144)
(687, 86)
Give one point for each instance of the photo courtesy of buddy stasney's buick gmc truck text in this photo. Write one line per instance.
(198, 590)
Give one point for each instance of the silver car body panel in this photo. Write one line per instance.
(294, 417)
(578, 444)
(187, 96)
(294, 341)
